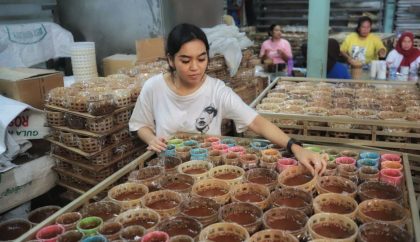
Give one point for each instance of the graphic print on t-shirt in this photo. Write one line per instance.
(358, 53)
(202, 123)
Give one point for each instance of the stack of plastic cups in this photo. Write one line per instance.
(391, 169)
(83, 58)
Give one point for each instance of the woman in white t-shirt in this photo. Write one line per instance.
(187, 100)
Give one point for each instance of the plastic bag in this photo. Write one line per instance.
(24, 45)
(228, 41)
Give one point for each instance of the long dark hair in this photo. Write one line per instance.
(181, 34)
(333, 53)
(360, 21)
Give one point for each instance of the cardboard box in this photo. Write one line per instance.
(150, 49)
(29, 85)
(115, 62)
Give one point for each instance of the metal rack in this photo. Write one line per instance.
(343, 14)
(407, 16)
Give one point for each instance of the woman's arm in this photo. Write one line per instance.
(271, 132)
(155, 143)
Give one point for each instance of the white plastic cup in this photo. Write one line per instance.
(404, 70)
(373, 69)
(381, 70)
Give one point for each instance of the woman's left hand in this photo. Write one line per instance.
(382, 53)
(314, 162)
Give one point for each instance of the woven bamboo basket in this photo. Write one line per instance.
(187, 167)
(149, 176)
(76, 102)
(166, 181)
(218, 172)
(100, 175)
(380, 230)
(274, 100)
(180, 225)
(101, 125)
(68, 139)
(128, 188)
(349, 153)
(249, 209)
(194, 206)
(294, 171)
(69, 220)
(223, 229)
(122, 117)
(147, 218)
(55, 118)
(61, 164)
(343, 204)
(75, 157)
(206, 145)
(336, 184)
(269, 158)
(163, 195)
(231, 158)
(89, 144)
(56, 96)
(370, 190)
(102, 158)
(289, 216)
(119, 136)
(38, 215)
(380, 210)
(249, 161)
(338, 221)
(78, 169)
(170, 163)
(279, 95)
(106, 210)
(200, 187)
(268, 176)
(216, 157)
(183, 153)
(292, 198)
(101, 104)
(252, 189)
(272, 235)
(122, 97)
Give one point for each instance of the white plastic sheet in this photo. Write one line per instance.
(25, 45)
(228, 41)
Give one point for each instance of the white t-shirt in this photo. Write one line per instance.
(394, 59)
(165, 112)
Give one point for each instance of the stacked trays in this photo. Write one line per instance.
(89, 121)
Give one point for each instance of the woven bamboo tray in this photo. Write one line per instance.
(374, 136)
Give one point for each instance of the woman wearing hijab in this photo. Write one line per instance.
(335, 69)
(404, 54)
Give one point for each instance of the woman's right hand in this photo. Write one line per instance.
(157, 144)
